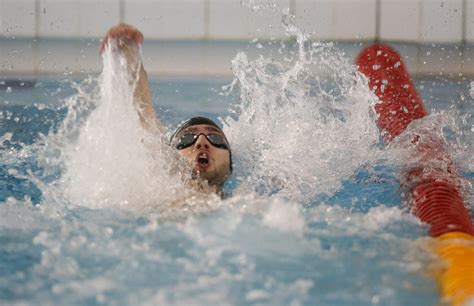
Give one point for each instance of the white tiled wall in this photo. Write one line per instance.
(166, 19)
(170, 26)
(353, 19)
(441, 21)
(337, 19)
(17, 18)
(399, 20)
(96, 16)
(59, 18)
(230, 20)
(72, 18)
(315, 18)
(470, 20)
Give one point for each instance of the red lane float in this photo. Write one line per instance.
(434, 184)
(434, 194)
(390, 81)
(440, 204)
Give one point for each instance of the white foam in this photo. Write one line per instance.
(343, 221)
(284, 216)
(20, 214)
(86, 288)
(305, 122)
(108, 158)
(448, 145)
(380, 216)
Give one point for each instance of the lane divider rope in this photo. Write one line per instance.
(433, 194)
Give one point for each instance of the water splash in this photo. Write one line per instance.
(100, 156)
(437, 145)
(115, 161)
(304, 123)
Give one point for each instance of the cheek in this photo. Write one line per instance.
(222, 158)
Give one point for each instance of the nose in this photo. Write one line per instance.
(202, 142)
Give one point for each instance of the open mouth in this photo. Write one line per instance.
(202, 160)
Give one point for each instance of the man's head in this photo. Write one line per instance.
(204, 146)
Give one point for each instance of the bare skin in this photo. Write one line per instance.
(216, 166)
(127, 40)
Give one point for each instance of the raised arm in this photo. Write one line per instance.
(127, 40)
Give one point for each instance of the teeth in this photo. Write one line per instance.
(203, 155)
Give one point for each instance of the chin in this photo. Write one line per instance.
(212, 179)
(212, 175)
(218, 180)
(204, 174)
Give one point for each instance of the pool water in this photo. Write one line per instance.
(314, 214)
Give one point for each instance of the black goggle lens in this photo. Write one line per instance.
(188, 140)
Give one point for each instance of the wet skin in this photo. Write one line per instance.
(207, 161)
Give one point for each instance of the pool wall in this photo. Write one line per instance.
(200, 37)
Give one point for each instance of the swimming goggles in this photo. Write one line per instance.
(188, 139)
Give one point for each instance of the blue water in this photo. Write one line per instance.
(358, 245)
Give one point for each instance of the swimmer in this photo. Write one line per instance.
(198, 140)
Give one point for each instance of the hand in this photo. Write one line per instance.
(124, 34)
